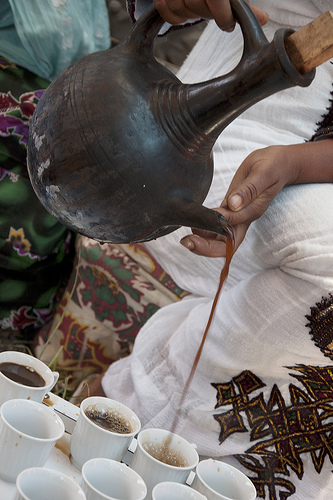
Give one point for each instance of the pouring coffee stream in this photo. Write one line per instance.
(230, 249)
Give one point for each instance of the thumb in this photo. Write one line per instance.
(242, 197)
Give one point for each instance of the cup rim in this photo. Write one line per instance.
(103, 399)
(46, 470)
(46, 370)
(177, 436)
(181, 485)
(30, 402)
(108, 460)
(228, 466)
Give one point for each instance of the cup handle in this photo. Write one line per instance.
(55, 379)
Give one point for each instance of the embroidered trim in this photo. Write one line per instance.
(321, 325)
(287, 428)
(325, 126)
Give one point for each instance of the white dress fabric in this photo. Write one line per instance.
(261, 397)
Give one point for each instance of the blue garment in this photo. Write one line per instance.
(46, 37)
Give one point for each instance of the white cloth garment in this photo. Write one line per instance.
(256, 389)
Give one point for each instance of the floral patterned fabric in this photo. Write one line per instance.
(112, 292)
(34, 247)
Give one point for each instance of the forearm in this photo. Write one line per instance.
(313, 162)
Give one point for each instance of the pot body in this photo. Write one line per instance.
(99, 157)
(121, 151)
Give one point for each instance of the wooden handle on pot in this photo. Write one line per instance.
(312, 45)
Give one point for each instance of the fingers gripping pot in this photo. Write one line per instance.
(121, 151)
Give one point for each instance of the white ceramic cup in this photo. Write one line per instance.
(154, 471)
(9, 389)
(106, 479)
(28, 433)
(89, 440)
(220, 481)
(175, 491)
(38, 483)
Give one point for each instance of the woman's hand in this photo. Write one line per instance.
(179, 11)
(256, 183)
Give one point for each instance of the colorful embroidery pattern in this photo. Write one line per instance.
(284, 434)
(113, 291)
(20, 244)
(16, 114)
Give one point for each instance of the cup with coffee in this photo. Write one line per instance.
(163, 456)
(220, 481)
(28, 434)
(106, 479)
(38, 483)
(23, 376)
(105, 428)
(175, 491)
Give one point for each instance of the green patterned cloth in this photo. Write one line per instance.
(35, 253)
(34, 247)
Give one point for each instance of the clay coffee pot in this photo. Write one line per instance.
(121, 151)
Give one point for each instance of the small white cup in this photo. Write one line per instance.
(28, 433)
(106, 479)
(89, 440)
(9, 389)
(38, 483)
(220, 481)
(175, 491)
(154, 471)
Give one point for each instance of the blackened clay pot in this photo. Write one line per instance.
(121, 151)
